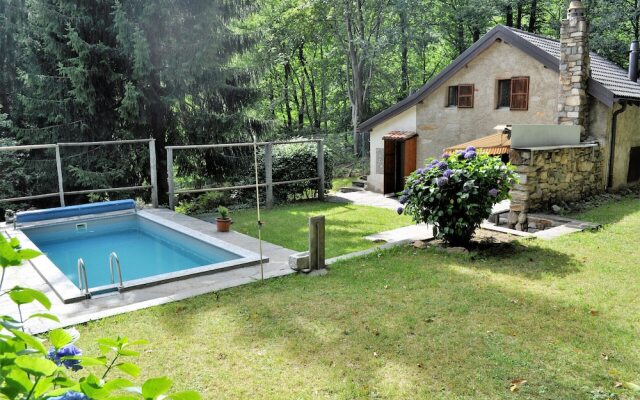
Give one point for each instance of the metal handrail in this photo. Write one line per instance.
(114, 256)
(83, 283)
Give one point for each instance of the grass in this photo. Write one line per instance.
(346, 225)
(338, 183)
(415, 324)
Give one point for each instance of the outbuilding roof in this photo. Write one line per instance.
(494, 144)
(608, 83)
(399, 136)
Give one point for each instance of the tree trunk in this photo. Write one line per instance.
(287, 104)
(533, 15)
(509, 15)
(315, 117)
(460, 38)
(519, 16)
(404, 56)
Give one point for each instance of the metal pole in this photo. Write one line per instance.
(59, 169)
(154, 173)
(255, 163)
(170, 178)
(268, 173)
(320, 157)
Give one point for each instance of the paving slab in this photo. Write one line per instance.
(412, 232)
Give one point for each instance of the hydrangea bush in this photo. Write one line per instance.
(456, 193)
(52, 367)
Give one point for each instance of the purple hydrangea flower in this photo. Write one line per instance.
(469, 155)
(493, 192)
(442, 165)
(402, 199)
(71, 395)
(448, 173)
(470, 148)
(400, 210)
(445, 155)
(442, 181)
(66, 351)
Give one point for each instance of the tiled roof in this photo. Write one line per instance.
(494, 144)
(607, 73)
(399, 135)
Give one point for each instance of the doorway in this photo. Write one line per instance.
(400, 151)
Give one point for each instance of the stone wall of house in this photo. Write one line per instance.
(553, 175)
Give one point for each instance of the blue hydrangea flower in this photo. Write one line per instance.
(400, 210)
(442, 165)
(66, 351)
(402, 199)
(448, 173)
(470, 148)
(469, 155)
(493, 192)
(442, 181)
(444, 155)
(70, 395)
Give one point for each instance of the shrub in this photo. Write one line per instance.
(456, 193)
(297, 161)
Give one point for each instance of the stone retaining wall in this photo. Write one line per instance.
(550, 176)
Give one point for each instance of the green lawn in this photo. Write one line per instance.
(346, 225)
(415, 324)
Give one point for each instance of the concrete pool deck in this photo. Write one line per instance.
(117, 303)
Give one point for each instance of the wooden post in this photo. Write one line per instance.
(320, 157)
(316, 242)
(268, 173)
(154, 173)
(60, 181)
(172, 199)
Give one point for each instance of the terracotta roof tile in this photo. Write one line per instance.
(399, 135)
(494, 144)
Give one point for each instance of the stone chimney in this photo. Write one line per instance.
(575, 69)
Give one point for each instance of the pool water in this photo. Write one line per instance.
(145, 248)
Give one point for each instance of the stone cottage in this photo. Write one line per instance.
(511, 77)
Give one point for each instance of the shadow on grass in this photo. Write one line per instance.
(528, 260)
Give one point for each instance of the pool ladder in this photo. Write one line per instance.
(113, 258)
(82, 279)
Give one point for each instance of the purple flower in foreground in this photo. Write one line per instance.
(448, 173)
(444, 155)
(470, 148)
(71, 395)
(442, 165)
(469, 155)
(402, 199)
(67, 351)
(493, 192)
(442, 181)
(400, 210)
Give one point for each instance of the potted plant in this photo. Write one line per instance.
(223, 222)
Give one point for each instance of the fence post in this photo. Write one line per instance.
(170, 178)
(316, 242)
(154, 173)
(268, 173)
(320, 157)
(59, 169)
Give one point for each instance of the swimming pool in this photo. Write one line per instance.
(150, 250)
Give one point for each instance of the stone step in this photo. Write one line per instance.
(351, 189)
(359, 183)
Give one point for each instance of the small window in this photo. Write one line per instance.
(465, 96)
(452, 99)
(520, 94)
(504, 93)
(633, 174)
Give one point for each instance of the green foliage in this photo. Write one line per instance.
(205, 202)
(298, 161)
(28, 371)
(455, 194)
(224, 212)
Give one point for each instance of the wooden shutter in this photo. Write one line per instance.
(465, 96)
(520, 94)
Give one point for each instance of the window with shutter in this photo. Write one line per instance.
(465, 96)
(504, 93)
(520, 93)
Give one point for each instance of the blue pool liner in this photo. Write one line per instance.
(74, 211)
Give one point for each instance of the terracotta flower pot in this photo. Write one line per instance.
(223, 224)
